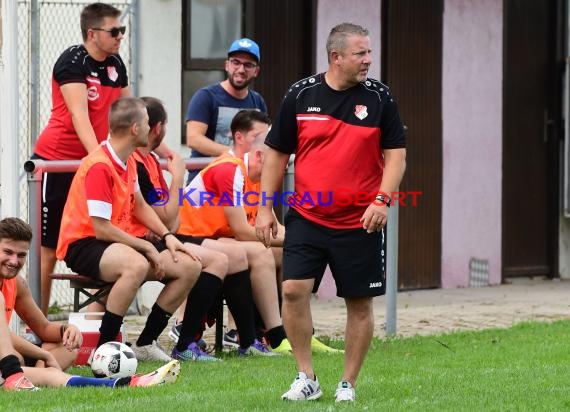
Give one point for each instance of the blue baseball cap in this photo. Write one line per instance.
(245, 45)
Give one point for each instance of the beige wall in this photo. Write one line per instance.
(1, 18)
(161, 61)
(333, 12)
(472, 82)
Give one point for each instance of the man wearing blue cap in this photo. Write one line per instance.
(212, 108)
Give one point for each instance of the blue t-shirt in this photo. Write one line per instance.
(215, 107)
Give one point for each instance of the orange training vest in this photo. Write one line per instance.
(9, 291)
(76, 223)
(210, 220)
(154, 172)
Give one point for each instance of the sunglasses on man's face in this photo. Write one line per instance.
(114, 32)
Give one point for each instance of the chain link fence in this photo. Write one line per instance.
(45, 30)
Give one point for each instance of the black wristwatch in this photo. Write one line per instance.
(384, 200)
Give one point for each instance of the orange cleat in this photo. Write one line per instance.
(19, 382)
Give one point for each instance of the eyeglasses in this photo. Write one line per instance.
(114, 32)
(246, 65)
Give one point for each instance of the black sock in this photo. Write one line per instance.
(237, 291)
(110, 327)
(280, 300)
(200, 299)
(258, 322)
(275, 336)
(10, 365)
(155, 324)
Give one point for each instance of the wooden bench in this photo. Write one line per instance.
(82, 285)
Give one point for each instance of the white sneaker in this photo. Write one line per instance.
(344, 392)
(152, 352)
(303, 389)
(174, 332)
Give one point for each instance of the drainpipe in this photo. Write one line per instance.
(566, 114)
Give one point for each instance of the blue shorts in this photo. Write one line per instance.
(356, 258)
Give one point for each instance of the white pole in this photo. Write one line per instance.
(392, 270)
(34, 71)
(9, 148)
(135, 46)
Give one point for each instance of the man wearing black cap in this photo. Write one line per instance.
(212, 108)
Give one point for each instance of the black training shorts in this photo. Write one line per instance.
(84, 255)
(197, 240)
(55, 187)
(356, 258)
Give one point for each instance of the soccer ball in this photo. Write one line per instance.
(114, 360)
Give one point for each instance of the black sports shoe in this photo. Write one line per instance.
(174, 335)
(231, 338)
(174, 332)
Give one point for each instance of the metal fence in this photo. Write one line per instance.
(45, 29)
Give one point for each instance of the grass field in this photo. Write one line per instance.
(523, 368)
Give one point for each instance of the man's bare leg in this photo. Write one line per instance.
(298, 321)
(64, 357)
(263, 282)
(213, 262)
(6, 347)
(237, 259)
(50, 377)
(358, 334)
(47, 265)
(181, 277)
(128, 269)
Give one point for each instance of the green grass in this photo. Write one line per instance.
(522, 368)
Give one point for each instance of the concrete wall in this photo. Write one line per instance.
(161, 59)
(472, 138)
(332, 12)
